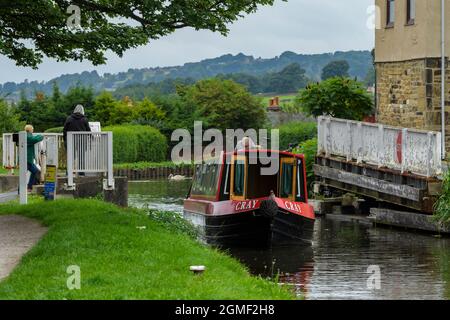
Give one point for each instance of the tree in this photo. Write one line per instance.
(224, 104)
(337, 68)
(103, 108)
(290, 79)
(147, 111)
(86, 29)
(9, 120)
(337, 97)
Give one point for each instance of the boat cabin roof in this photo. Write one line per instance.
(219, 179)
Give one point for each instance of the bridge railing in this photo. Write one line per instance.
(90, 152)
(403, 149)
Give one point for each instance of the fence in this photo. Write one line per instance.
(407, 150)
(49, 151)
(90, 152)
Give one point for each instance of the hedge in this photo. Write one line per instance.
(296, 132)
(55, 130)
(135, 143)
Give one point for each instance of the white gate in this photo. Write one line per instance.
(46, 151)
(90, 152)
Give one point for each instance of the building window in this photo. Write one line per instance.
(390, 13)
(410, 11)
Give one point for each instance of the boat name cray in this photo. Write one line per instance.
(245, 205)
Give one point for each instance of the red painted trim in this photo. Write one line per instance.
(230, 207)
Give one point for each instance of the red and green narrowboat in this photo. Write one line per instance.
(233, 204)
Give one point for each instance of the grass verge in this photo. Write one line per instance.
(123, 254)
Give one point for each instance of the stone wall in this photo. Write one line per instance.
(278, 118)
(409, 94)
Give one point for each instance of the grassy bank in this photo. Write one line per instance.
(123, 254)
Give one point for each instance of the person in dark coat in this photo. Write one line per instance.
(76, 122)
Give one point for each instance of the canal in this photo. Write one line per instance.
(411, 265)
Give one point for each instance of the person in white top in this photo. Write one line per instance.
(246, 144)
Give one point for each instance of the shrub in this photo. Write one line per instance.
(134, 143)
(309, 149)
(442, 206)
(296, 132)
(55, 130)
(338, 97)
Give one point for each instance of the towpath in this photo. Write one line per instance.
(17, 235)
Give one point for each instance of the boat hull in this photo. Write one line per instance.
(252, 229)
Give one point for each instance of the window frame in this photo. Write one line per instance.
(233, 196)
(390, 15)
(410, 4)
(293, 162)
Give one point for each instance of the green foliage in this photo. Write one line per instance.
(296, 132)
(338, 97)
(442, 206)
(103, 108)
(121, 113)
(309, 149)
(134, 143)
(290, 79)
(101, 26)
(149, 82)
(335, 69)
(147, 111)
(45, 112)
(369, 80)
(224, 104)
(55, 130)
(173, 222)
(123, 254)
(147, 165)
(9, 120)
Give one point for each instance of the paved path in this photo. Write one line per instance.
(17, 235)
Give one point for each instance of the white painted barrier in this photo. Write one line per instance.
(48, 148)
(90, 152)
(403, 149)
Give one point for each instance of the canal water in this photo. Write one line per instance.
(344, 260)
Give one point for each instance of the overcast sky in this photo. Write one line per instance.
(302, 26)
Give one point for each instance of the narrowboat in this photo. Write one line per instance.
(232, 203)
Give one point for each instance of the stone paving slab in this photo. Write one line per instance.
(17, 235)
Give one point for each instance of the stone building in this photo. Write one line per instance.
(408, 64)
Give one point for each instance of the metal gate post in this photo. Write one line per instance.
(109, 183)
(23, 192)
(70, 154)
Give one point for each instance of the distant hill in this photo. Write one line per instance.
(360, 63)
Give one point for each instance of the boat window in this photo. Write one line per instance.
(239, 177)
(287, 170)
(205, 179)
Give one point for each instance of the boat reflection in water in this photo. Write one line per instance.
(289, 265)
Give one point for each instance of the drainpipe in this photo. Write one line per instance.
(443, 76)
